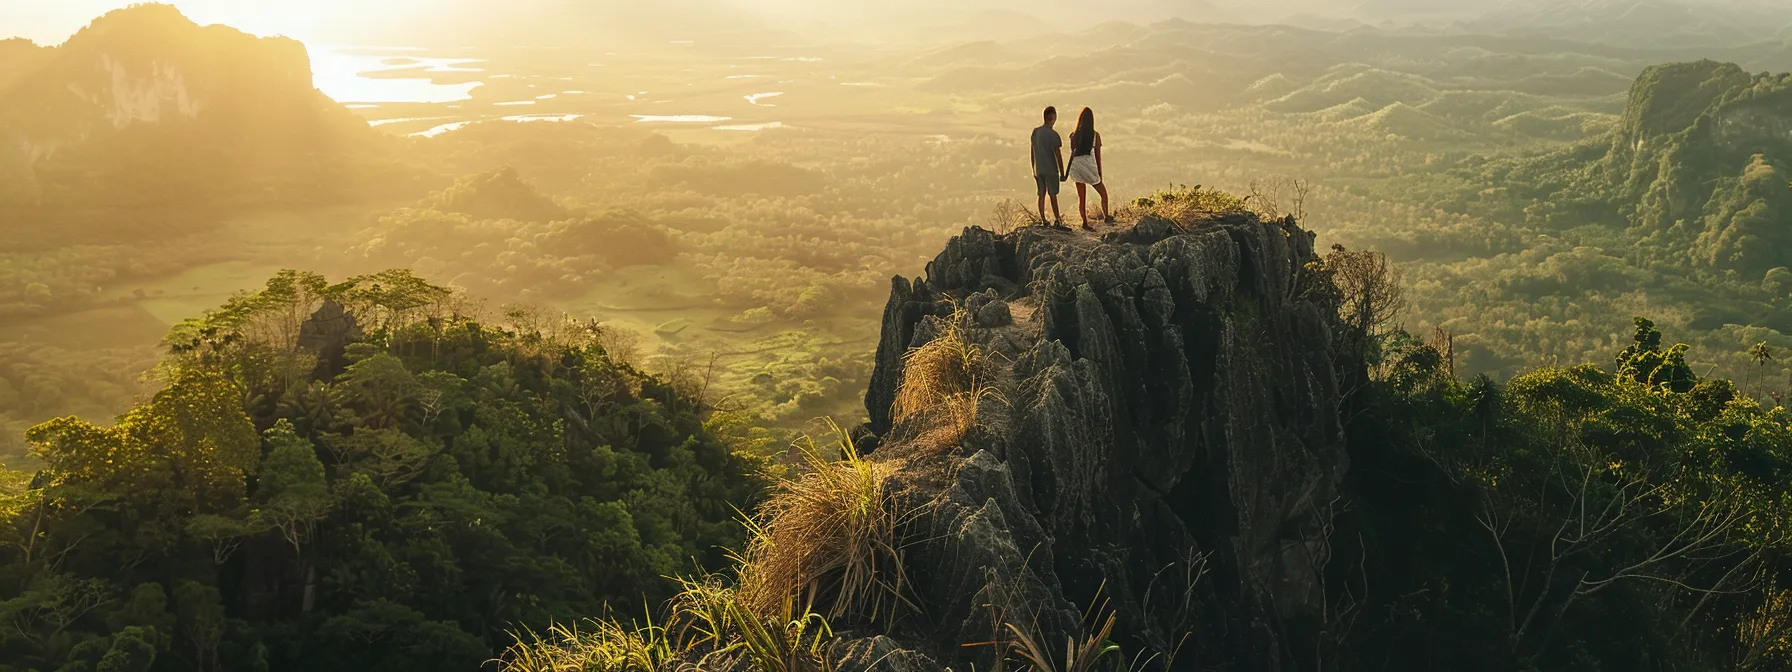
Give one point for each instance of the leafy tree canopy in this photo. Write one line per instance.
(359, 476)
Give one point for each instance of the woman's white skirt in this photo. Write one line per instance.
(1084, 171)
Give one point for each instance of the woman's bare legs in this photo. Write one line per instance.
(1082, 202)
(1103, 190)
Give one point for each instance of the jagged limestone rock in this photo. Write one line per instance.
(990, 310)
(908, 304)
(327, 334)
(1167, 438)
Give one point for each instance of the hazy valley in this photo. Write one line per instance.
(778, 187)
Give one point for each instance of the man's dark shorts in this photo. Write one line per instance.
(1048, 185)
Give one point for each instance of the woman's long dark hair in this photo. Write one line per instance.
(1082, 140)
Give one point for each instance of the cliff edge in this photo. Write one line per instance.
(1155, 435)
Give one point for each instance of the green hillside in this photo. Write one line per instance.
(359, 476)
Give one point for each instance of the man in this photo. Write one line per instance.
(1048, 164)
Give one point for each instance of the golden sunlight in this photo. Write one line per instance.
(53, 22)
(895, 336)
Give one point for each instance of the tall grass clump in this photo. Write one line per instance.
(602, 646)
(703, 614)
(827, 535)
(790, 640)
(712, 628)
(1184, 205)
(709, 628)
(945, 382)
(1083, 652)
(1009, 216)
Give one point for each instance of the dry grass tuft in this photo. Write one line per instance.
(1083, 652)
(790, 640)
(1184, 206)
(604, 646)
(1009, 216)
(702, 614)
(826, 536)
(710, 628)
(1080, 654)
(946, 382)
(828, 533)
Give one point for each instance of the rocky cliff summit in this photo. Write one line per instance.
(145, 107)
(1155, 435)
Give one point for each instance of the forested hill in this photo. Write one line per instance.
(1677, 210)
(359, 477)
(144, 108)
(1711, 181)
(1697, 169)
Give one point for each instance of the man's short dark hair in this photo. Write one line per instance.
(1051, 111)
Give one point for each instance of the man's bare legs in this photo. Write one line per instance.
(1055, 216)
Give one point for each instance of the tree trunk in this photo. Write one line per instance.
(310, 599)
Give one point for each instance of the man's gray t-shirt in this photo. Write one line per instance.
(1046, 144)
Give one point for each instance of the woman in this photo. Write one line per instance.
(1085, 166)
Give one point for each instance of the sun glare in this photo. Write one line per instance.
(53, 22)
(266, 17)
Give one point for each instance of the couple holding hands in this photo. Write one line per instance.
(1049, 170)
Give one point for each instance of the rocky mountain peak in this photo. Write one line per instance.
(1168, 410)
(211, 106)
(1668, 98)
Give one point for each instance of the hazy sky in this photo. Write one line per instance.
(567, 22)
(51, 21)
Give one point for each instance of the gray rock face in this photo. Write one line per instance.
(327, 334)
(1169, 441)
(908, 303)
(991, 311)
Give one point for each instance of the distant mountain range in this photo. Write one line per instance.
(1632, 23)
(1652, 23)
(1638, 22)
(144, 108)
